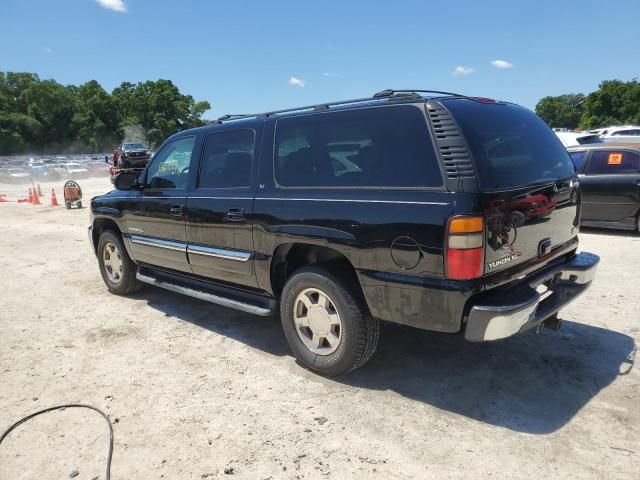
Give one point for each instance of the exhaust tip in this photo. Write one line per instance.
(553, 323)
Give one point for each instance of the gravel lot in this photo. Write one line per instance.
(197, 391)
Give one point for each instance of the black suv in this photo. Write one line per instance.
(434, 210)
(133, 155)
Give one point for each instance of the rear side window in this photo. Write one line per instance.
(578, 159)
(510, 145)
(614, 161)
(372, 147)
(227, 159)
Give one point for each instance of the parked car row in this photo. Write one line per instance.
(42, 169)
(614, 134)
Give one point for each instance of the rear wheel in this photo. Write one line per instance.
(326, 325)
(117, 269)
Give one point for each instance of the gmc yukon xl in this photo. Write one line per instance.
(439, 211)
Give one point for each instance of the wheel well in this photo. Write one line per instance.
(99, 226)
(290, 257)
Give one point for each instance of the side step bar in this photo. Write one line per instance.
(209, 293)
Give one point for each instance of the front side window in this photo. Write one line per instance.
(614, 161)
(227, 159)
(372, 147)
(170, 166)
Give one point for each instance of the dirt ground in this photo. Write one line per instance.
(197, 391)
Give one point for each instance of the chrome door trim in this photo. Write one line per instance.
(224, 253)
(353, 200)
(156, 242)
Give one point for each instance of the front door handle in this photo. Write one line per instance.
(176, 210)
(236, 214)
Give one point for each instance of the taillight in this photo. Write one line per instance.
(465, 247)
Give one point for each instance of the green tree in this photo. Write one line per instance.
(615, 102)
(42, 115)
(563, 111)
(96, 117)
(159, 108)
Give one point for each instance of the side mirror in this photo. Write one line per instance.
(126, 181)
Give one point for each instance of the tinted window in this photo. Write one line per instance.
(372, 147)
(170, 166)
(626, 132)
(511, 146)
(614, 161)
(578, 158)
(227, 159)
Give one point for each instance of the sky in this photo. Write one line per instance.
(248, 56)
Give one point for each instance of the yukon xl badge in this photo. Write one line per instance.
(502, 261)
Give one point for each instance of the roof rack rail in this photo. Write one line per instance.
(323, 106)
(389, 92)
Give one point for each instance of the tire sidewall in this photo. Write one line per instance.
(342, 359)
(128, 267)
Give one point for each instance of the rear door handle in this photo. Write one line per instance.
(176, 210)
(236, 214)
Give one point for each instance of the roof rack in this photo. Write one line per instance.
(323, 106)
(390, 92)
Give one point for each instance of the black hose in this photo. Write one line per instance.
(62, 407)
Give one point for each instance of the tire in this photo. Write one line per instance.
(67, 204)
(340, 349)
(79, 204)
(121, 281)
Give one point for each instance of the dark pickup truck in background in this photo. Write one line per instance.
(133, 155)
(438, 211)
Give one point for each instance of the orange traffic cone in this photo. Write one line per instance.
(39, 190)
(35, 200)
(30, 195)
(54, 200)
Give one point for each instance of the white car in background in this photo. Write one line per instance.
(72, 170)
(619, 133)
(572, 139)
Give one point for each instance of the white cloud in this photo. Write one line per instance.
(115, 5)
(329, 74)
(47, 50)
(297, 82)
(501, 64)
(461, 71)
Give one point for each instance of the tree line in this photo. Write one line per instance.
(614, 103)
(44, 116)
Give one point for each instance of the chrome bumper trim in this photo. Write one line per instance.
(502, 318)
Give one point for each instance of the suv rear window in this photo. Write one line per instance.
(510, 145)
(370, 147)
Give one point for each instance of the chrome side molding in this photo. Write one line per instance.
(224, 253)
(156, 242)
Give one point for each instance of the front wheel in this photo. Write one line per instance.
(325, 323)
(117, 269)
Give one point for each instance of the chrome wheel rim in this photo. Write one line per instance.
(112, 260)
(317, 321)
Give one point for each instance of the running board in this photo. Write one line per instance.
(147, 276)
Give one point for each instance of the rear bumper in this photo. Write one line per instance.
(501, 314)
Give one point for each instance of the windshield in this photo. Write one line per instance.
(134, 146)
(510, 145)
